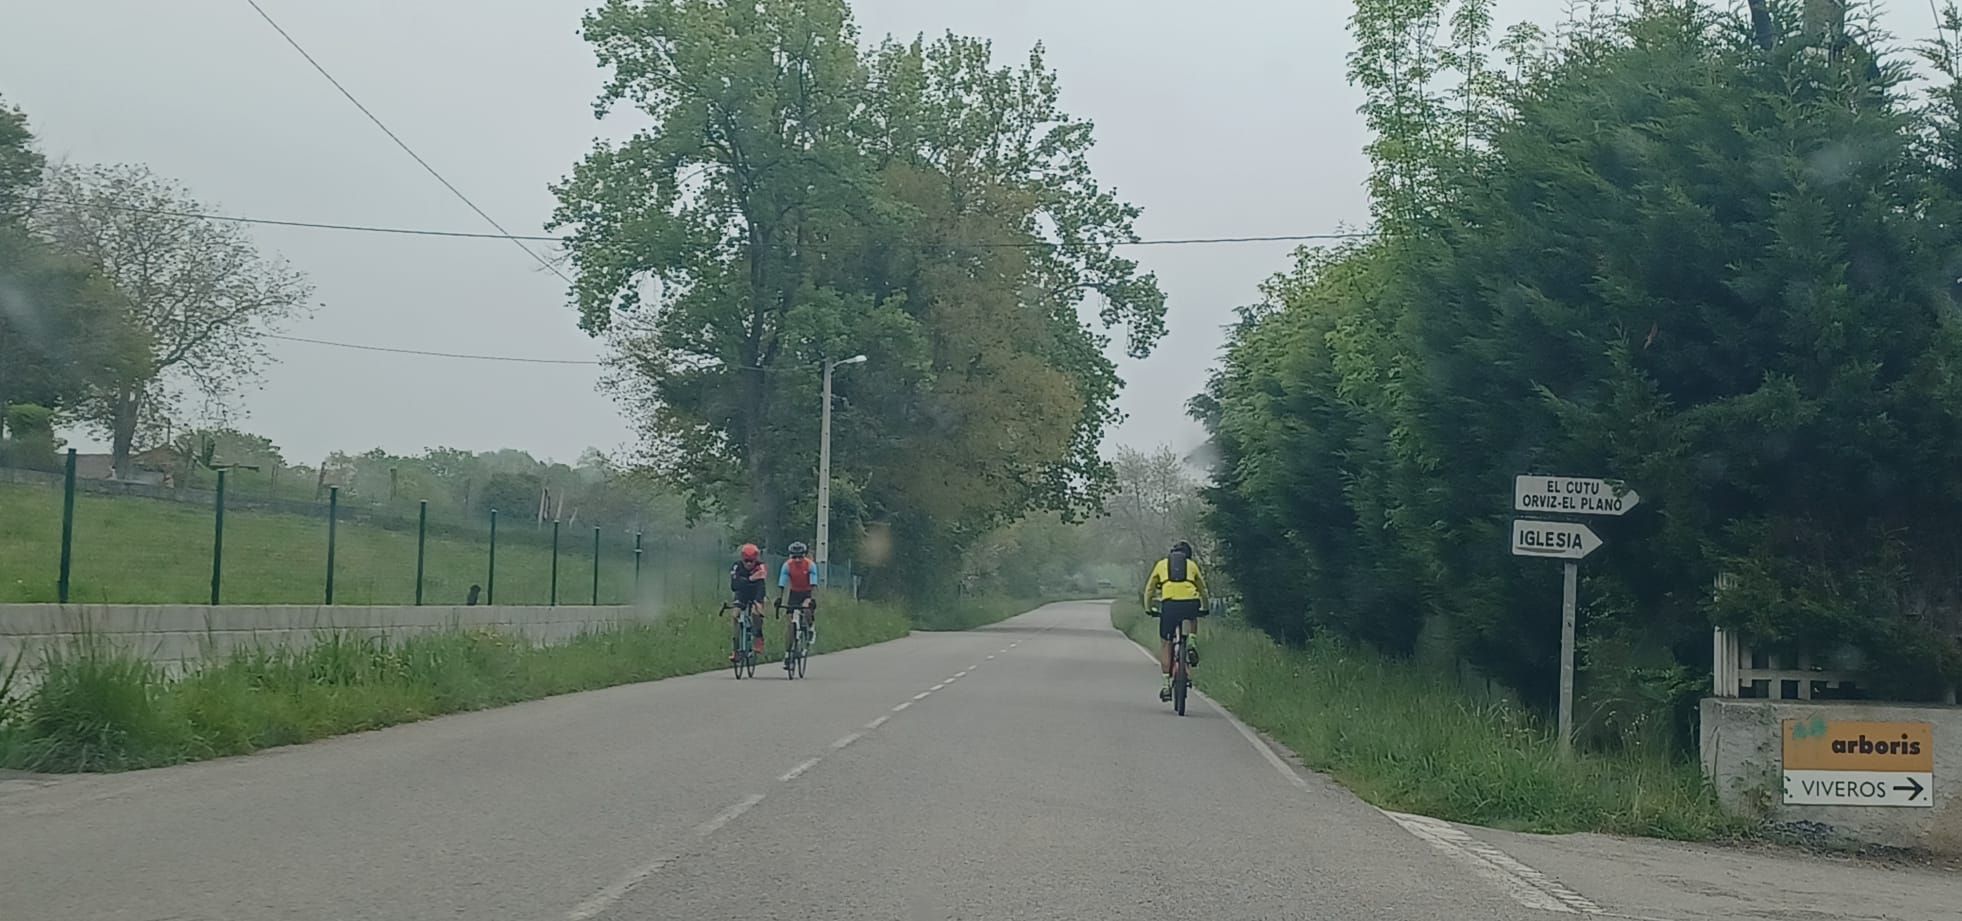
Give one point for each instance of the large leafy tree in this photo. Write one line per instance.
(195, 295)
(796, 198)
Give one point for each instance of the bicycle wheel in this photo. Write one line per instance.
(803, 659)
(1179, 684)
(736, 653)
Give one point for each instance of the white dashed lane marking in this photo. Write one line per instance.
(792, 774)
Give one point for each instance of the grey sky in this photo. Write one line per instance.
(1230, 117)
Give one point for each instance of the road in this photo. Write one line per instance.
(1022, 771)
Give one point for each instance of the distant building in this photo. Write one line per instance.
(151, 468)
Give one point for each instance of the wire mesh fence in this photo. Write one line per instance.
(72, 539)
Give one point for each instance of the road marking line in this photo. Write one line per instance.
(936, 687)
(902, 706)
(881, 721)
(841, 743)
(1527, 886)
(793, 773)
(955, 678)
(604, 899)
(922, 695)
(726, 816)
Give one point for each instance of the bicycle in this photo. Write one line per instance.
(1181, 676)
(1182, 662)
(743, 658)
(797, 647)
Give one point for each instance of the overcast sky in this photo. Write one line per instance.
(1230, 117)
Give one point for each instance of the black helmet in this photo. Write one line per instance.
(797, 548)
(1182, 546)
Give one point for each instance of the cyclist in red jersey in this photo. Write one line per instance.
(749, 582)
(799, 580)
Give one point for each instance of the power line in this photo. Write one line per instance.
(431, 354)
(475, 235)
(309, 225)
(404, 145)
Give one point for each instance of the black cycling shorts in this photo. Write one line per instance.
(796, 600)
(1172, 613)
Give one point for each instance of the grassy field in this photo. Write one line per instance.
(144, 551)
(1406, 740)
(98, 709)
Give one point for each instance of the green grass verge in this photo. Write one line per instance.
(969, 613)
(1407, 740)
(147, 551)
(98, 708)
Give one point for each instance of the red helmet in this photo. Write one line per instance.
(751, 554)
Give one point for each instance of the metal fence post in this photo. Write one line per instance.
(333, 519)
(490, 578)
(555, 563)
(596, 556)
(422, 534)
(218, 540)
(636, 598)
(67, 526)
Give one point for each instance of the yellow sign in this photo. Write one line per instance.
(1820, 744)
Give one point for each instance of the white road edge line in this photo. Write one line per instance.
(1527, 886)
(922, 695)
(902, 706)
(841, 743)
(936, 687)
(881, 721)
(793, 773)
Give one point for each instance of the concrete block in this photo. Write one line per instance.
(1742, 747)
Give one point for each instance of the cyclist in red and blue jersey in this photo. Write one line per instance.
(797, 583)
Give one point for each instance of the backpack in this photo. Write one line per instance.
(1175, 568)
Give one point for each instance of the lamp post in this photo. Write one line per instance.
(823, 554)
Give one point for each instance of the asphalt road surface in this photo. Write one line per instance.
(1023, 771)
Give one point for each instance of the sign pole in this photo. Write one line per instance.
(1569, 591)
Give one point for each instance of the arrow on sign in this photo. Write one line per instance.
(1572, 495)
(1914, 787)
(1558, 540)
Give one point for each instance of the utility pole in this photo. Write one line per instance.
(823, 555)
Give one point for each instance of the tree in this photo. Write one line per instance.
(1715, 266)
(20, 164)
(1156, 502)
(795, 199)
(196, 294)
(61, 329)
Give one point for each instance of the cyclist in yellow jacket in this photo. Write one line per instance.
(1176, 594)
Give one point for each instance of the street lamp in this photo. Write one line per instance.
(823, 555)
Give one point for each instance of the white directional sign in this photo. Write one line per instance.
(1572, 495)
(1859, 788)
(1554, 540)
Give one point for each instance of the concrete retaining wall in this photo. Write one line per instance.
(1742, 748)
(175, 635)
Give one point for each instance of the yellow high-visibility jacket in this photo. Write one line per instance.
(1160, 586)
